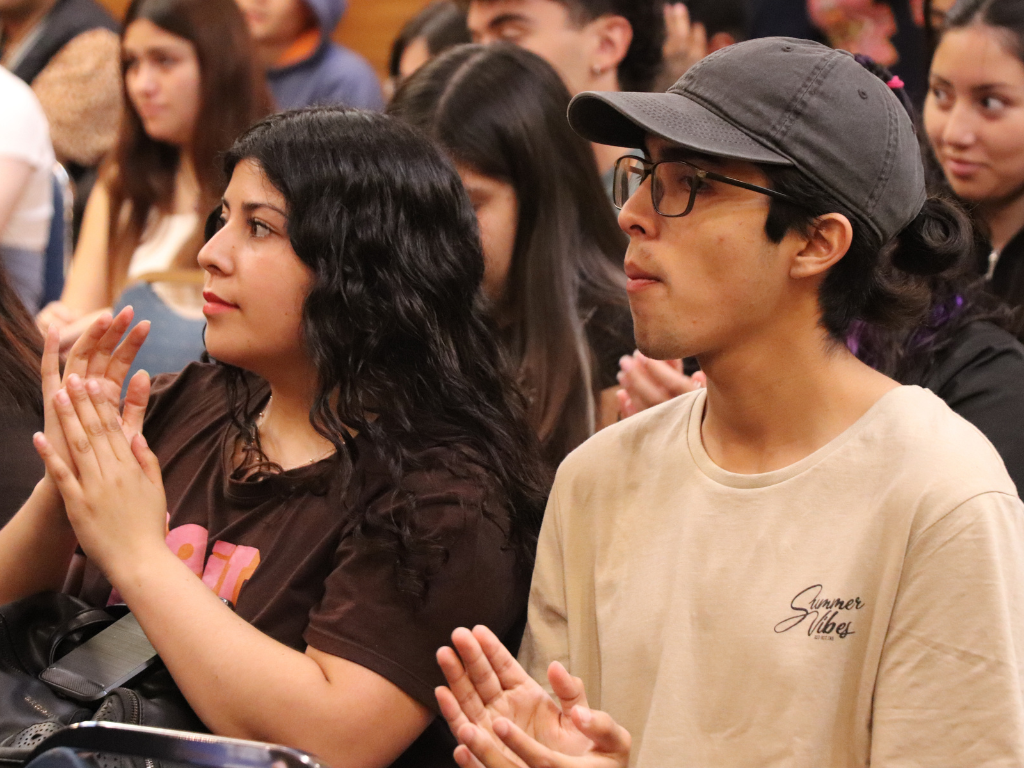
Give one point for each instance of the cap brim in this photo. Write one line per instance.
(626, 119)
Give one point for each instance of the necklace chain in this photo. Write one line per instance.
(259, 425)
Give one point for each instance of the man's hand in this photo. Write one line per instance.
(686, 42)
(505, 719)
(646, 382)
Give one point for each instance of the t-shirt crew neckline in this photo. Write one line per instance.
(765, 479)
(256, 490)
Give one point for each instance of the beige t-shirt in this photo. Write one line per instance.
(864, 605)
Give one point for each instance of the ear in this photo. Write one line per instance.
(612, 36)
(827, 242)
(720, 40)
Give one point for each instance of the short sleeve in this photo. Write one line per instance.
(950, 676)
(547, 631)
(365, 619)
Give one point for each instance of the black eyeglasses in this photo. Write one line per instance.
(674, 184)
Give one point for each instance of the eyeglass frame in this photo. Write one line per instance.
(650, 168)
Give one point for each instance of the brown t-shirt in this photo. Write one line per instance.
(282, 553)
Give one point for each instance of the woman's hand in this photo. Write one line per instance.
(503, 718)
(97, 355)
(112, 488)
(646, 382)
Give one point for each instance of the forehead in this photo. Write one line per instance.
(540, 12)
(143, 33)
(977, 55)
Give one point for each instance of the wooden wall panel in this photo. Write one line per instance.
(368, 27)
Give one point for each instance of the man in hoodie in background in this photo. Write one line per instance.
(304, 66)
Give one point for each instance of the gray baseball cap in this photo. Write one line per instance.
(781, 101)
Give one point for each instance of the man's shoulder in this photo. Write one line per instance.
(920, 435)
(642, 438)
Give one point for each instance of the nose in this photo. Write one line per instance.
(961, 128)
(216, 256)
(638, 217)
(142, 79)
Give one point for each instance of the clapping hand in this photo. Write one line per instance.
(98, 354)
(646, 382)
(503, 718)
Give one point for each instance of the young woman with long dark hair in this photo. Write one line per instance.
(553, 251)
(192, 85)
(356, 474)
(974, 118)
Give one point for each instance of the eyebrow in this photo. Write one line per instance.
(982, 87)
(506, 18)
(689, 156)
(252, 207)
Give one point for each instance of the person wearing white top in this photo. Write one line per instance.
(26, 187)
(146, 211)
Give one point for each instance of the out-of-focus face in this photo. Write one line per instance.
(163, 81)
(544, 27)
(709, 280)
(497, 213)
(974, 114)
(415, 55)
(276, 21)
(255, 282)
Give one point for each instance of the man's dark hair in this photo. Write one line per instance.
(643, 60)
(730, 16)
(877, 282)
(442, 24)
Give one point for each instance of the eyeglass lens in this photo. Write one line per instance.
(672, 185)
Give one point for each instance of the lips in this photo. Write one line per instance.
(637, 279)
(960, 166)
(215, 305)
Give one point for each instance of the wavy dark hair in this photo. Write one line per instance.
(500, 110)
(21, 350)
(404, 354)
(140, 172)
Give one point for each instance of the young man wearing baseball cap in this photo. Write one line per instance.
(804, 564)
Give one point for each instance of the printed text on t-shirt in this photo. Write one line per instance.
(825, 617)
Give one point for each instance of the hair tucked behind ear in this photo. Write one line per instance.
(936, 240)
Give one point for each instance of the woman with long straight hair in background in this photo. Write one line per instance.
(553, 252)
(192, 85)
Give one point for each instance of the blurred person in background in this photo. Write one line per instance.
(974, 118)
(26, 188)
(435, 29)
(696, 28)
(192, 85)
(595, 45)
(68, 51)
(553, 253)
(21, 402)
(304, 66)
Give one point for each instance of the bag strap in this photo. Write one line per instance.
(93, 617)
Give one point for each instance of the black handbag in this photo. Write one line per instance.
(38, 630)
